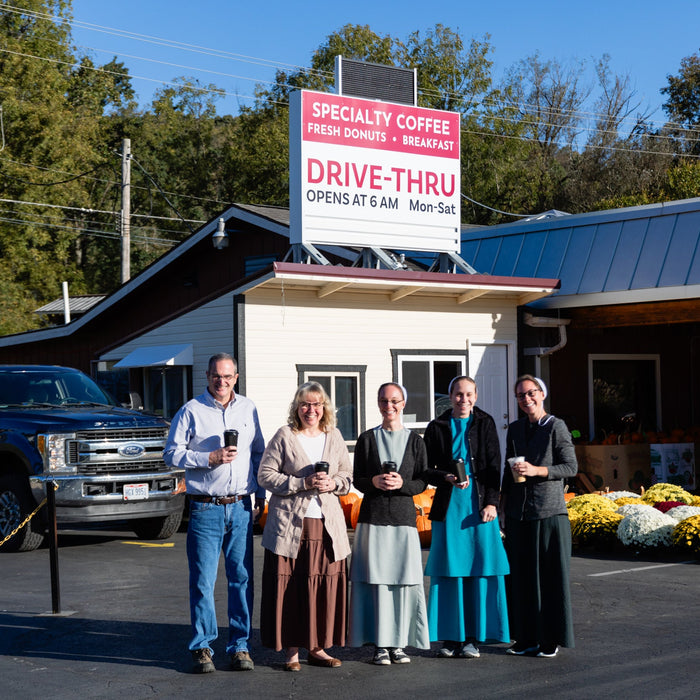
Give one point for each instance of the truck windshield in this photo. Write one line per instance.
(50, 388)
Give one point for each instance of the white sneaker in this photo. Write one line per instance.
(469, 651)
(446, 652)
(381, 657)
(399, 656)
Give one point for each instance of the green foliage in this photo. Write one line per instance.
(65, 116)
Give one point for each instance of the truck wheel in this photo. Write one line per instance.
(16, 503)
(158, 528)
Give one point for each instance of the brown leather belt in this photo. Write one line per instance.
(217, 500)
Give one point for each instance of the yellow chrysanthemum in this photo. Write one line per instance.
(599, 528)
(686, 535)
(591, 503)
(667, 492)
(626, 500)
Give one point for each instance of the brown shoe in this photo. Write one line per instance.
(292, 666)
(241, 661)
(330, 662)
(201, 661)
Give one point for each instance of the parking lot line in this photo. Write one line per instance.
(641, 568)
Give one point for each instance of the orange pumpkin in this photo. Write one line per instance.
(346, 503)
(424, 526)
(355, 513)
(425, 499)
(263, 518)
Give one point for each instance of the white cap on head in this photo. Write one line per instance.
(543, 386)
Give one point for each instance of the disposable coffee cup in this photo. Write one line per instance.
(230, 438)
(517, 478)
(321, 467)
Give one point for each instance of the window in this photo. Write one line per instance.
(346, 387)
(426, 375)
(624, 393)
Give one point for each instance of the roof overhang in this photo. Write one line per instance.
(631, 296)
(325, 281)
(158, 356)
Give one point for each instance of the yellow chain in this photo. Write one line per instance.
(23, 523)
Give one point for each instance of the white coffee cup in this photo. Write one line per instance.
(517, 478)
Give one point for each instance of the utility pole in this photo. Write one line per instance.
(125, 219)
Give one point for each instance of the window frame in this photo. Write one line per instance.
(357, 371)
(622, 357)
(430, 355)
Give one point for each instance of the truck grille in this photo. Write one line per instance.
(117, 450)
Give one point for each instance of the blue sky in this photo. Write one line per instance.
(645, 39)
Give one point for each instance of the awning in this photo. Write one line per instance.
(158, 356)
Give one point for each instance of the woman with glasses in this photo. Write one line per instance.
(467, 563)
(387, 600)
(306, 467)
(538, 533)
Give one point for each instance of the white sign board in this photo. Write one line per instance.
(373, 174)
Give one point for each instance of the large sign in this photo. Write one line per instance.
(368, 173)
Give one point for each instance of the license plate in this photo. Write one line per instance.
(135, 492)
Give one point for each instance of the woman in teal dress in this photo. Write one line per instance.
(467, 564)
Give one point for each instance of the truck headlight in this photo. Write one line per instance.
(53, 449)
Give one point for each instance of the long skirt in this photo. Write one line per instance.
(304, 600)
(387, 598)
(539, 596)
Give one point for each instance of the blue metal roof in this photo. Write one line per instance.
(646, 253)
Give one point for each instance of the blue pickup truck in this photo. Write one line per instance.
(106, 460)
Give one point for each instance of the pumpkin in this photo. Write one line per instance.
(425, 499)
(355, 513)
(424, 526)
(263, 518)
(346, 503)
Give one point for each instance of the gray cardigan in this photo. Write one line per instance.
(547, 445)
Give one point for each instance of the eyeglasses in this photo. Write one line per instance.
(393, 402)
(306, 405)
(527, 394)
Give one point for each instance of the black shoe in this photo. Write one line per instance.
(520, 648)
(201, 661)
(548, 651)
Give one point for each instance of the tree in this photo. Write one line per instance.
(53, 105)
(683, 104)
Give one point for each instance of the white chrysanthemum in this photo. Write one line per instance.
(646, 528)
(682, 512)
(614, 495)
(634, 508)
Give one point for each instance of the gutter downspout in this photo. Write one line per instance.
(546, 322)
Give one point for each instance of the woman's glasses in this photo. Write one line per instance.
(527, 394)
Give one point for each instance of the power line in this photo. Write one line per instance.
(97, 211)
(91, 232)
(268, 63)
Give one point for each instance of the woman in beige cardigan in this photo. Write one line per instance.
(304, 587)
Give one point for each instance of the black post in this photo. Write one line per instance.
(53, 547)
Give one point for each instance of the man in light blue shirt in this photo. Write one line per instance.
(220, 481)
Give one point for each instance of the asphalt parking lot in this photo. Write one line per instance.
(124, 629)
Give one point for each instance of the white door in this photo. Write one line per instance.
(488, 364)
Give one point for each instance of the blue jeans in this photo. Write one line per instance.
(213, 529)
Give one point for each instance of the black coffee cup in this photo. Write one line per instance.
(460, 470)
(389, 467)
(230, 438)
(321, 467)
